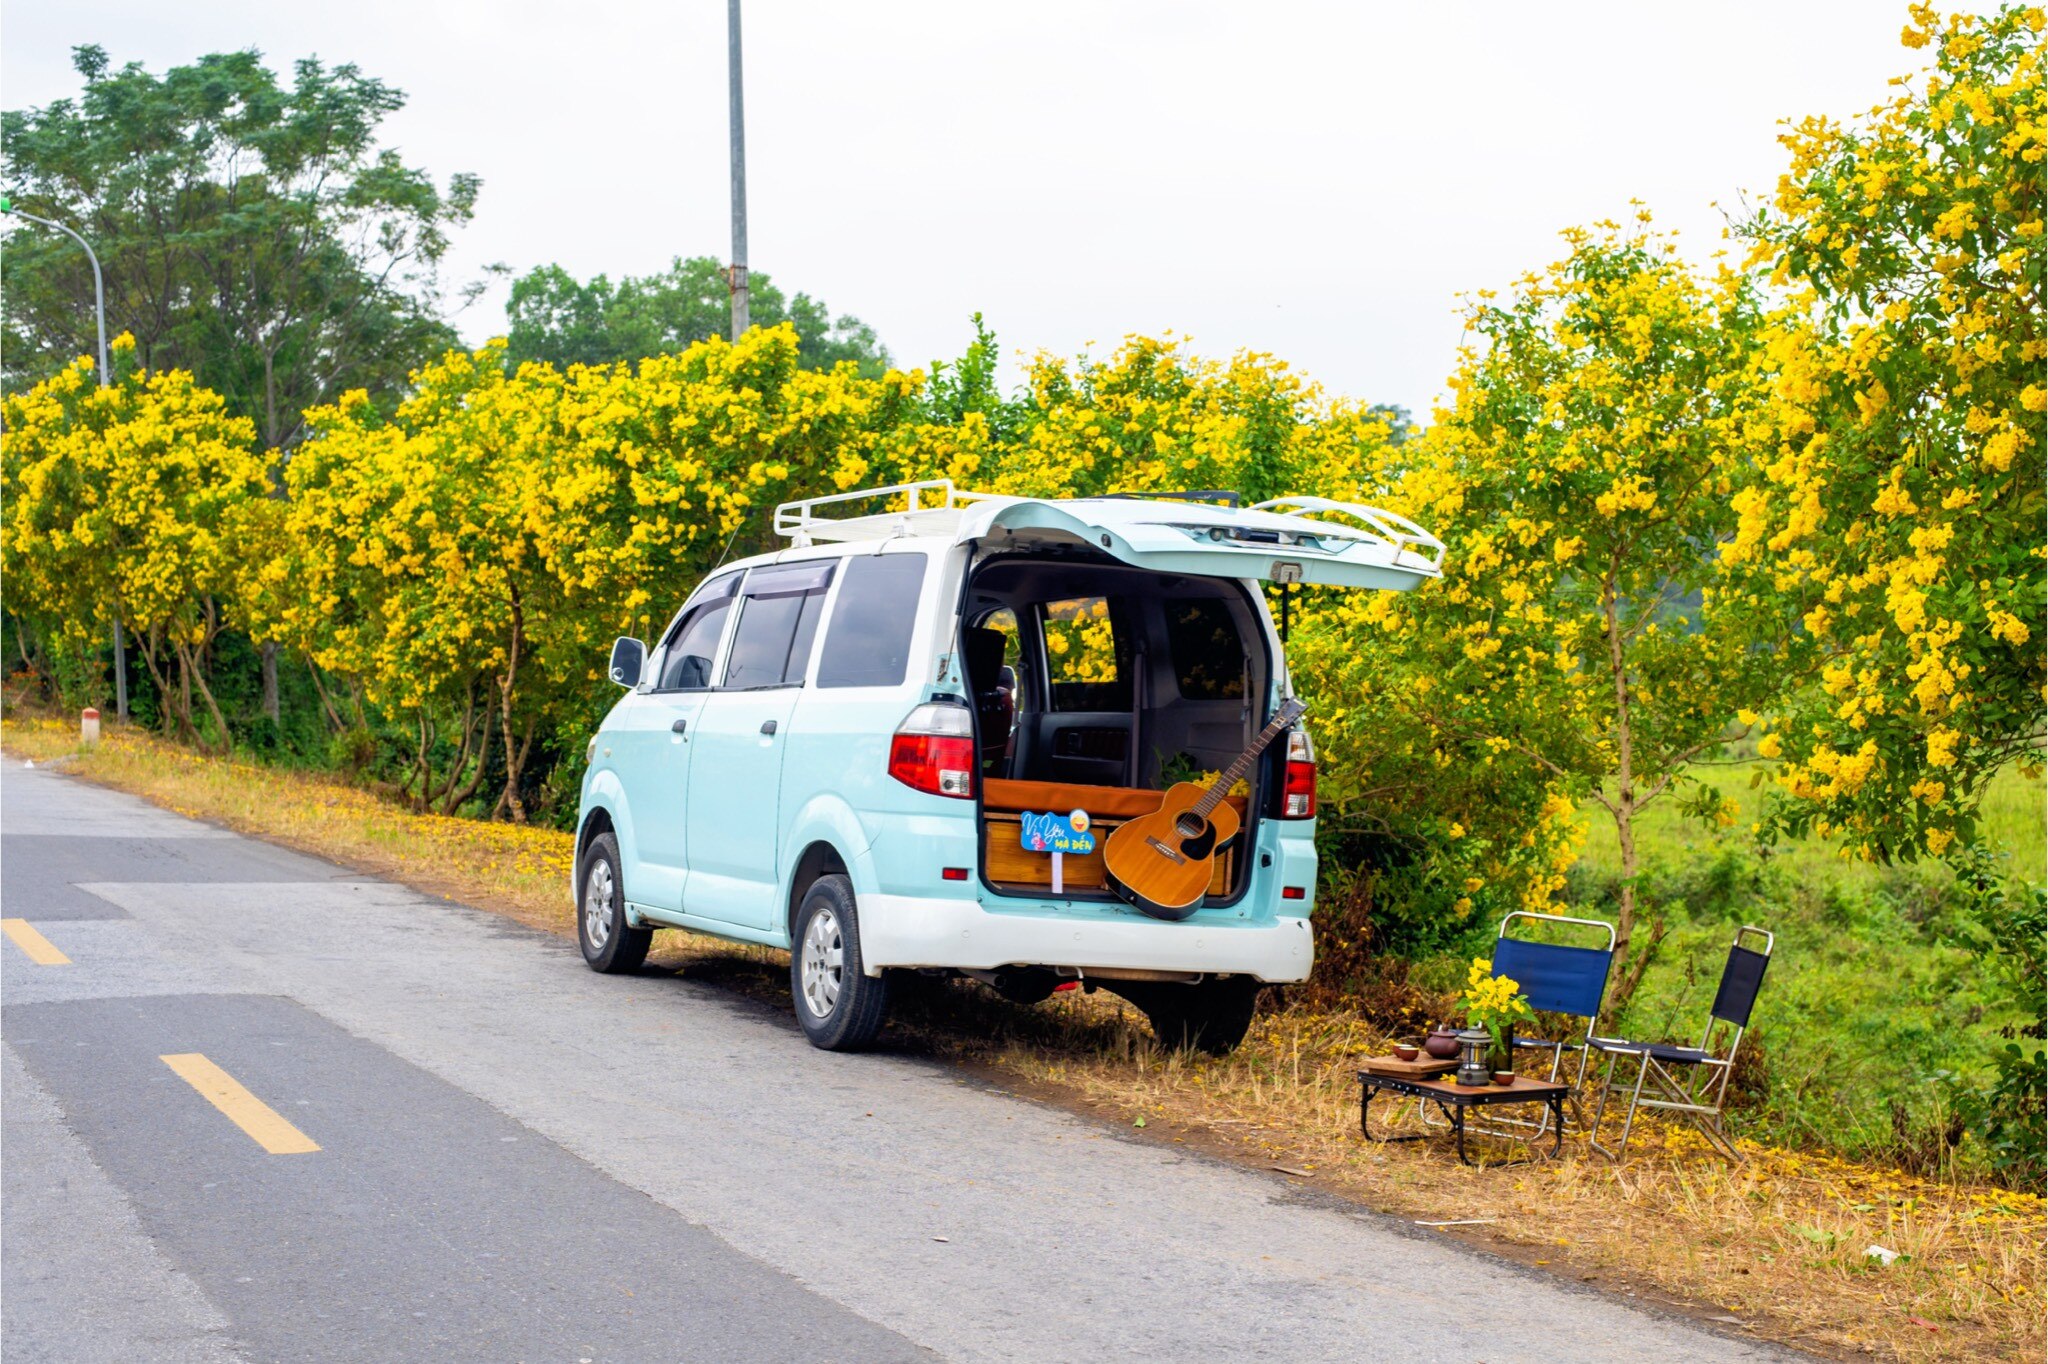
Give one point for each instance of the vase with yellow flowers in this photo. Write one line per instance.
(1495, 1003)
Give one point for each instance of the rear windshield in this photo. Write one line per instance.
(868, 641)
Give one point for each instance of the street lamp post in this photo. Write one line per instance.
(737, 127)
(99, 299)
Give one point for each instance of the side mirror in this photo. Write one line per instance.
(628, 657)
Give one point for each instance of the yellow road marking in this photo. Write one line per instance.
(265, 1126)
(39, 949)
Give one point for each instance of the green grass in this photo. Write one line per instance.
(2012, 820)
(1868, 997)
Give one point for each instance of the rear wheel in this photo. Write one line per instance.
(609, 943)
(840, 1006)
(1210, 1016)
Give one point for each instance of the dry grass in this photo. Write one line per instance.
(1776, 1245)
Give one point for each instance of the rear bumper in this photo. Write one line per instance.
(908, 930)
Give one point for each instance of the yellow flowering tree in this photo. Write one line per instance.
(1583, 482)
(471, 558)
(1903, 504)
(658, 469)
(1157, 417)
(1429, 829)
(408, 566)
(141, 502)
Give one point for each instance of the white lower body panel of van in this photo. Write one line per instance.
(915, 931)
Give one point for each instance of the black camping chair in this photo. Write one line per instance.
(1699, 1095)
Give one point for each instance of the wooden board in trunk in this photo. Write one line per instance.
(1009, 865)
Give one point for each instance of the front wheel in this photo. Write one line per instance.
(840, 1006)
(610, 944)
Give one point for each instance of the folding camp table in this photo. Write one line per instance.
(1454, 1098)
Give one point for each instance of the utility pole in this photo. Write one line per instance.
(99, 299)
(736, 278)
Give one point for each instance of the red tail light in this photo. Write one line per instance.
(933, 750)
(1298, 786)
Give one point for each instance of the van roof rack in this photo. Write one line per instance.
(932, 505)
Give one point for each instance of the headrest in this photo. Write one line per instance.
(984, 650)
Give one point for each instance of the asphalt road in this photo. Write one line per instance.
(520, 1160)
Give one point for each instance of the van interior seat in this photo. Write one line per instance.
(994, 703)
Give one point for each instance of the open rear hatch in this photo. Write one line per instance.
(1276, 541)
(1095, 684)
(1181, 659)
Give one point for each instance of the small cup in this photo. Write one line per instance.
(1405, 1052)
(1504, 1077)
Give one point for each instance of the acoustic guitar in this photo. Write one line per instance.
(1162, 863)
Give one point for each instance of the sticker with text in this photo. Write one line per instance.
(1053, 833)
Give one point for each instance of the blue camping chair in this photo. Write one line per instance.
(1556, 979)
(1699, 1096)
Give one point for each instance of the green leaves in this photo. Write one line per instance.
(562, 322)
(251, 230)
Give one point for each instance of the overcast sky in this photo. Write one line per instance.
(1315, 180)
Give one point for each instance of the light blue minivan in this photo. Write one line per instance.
(853, 748)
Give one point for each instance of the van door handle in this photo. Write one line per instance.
(679, 726)
(767, 726)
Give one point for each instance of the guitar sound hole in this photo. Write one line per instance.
(1189, 824)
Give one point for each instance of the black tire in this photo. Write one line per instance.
(840, 1006)
(610, 944)
(1211, 1016)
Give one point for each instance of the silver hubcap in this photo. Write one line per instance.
(598, 891)
(823, 956)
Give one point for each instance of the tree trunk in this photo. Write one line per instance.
(1624, 806)
(326, 701)
(166, 698)
(267, 651)
(437, 793)
(419, 771)
(189, 668)
(454, 799)
(514, 755)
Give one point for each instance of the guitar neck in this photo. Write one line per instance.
(1289, 713)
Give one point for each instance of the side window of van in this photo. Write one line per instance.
(1208, 653)
(779, 611)
(868, 643)
(1080, 656)
(694, 641)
